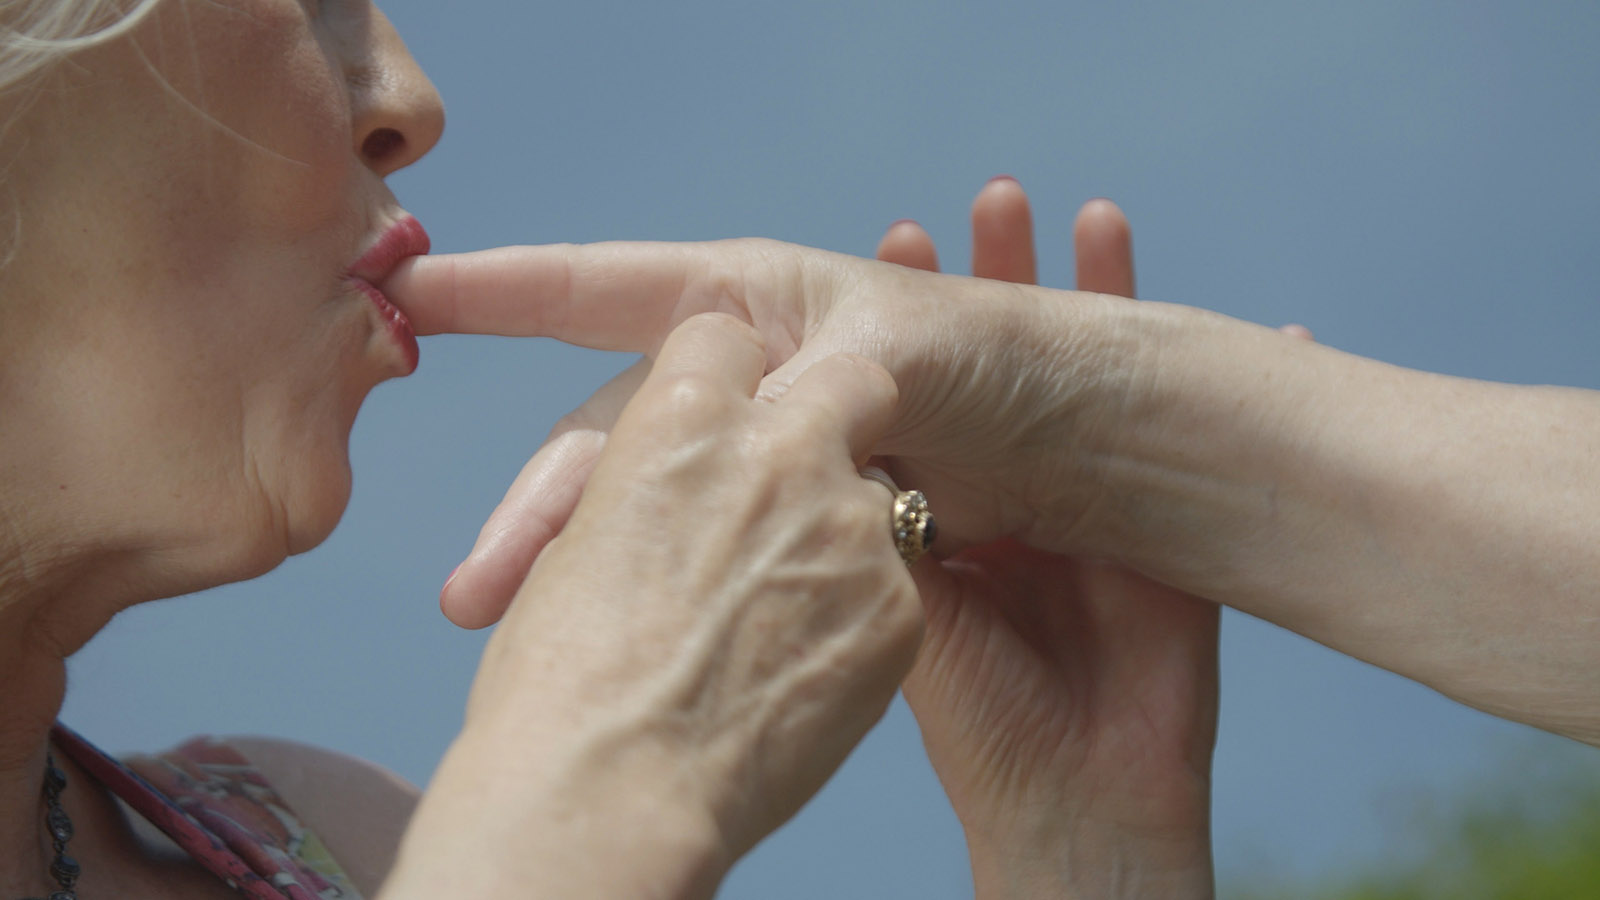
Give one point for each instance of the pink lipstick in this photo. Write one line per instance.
(402, 240)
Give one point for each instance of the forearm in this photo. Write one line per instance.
(505, 819)
(1439, 527)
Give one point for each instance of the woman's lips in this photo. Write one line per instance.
(402, 240)
(395, 321)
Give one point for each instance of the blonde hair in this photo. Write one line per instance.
(36, 33)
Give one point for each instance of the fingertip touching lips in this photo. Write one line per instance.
(402, 240)
(405, 238)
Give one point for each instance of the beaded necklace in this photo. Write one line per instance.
(63, 868)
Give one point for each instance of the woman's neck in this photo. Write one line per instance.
(57, 590)
(48, 609)
(32, 683)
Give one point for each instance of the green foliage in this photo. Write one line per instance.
(1541, 844)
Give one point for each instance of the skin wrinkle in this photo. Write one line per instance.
(1014, 406)
(563, 287)
(811, 280)
(786, 342)
(274, 511)
(724, 286)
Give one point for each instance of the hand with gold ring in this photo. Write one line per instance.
(720, 622)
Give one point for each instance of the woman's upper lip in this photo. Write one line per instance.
(403, 239)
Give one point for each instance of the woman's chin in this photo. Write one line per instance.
(276, 527)
(316, 511)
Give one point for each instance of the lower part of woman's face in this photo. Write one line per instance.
(192, 202)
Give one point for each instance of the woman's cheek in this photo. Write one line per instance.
(285, 99)
(312, 133)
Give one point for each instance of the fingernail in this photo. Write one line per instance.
(1010, 178)
(452, 577)
(898, 222)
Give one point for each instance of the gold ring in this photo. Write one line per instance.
(909, 518)
(914, 528)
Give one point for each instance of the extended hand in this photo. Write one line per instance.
(1068, 706)
(996, 393)
(1353, 502)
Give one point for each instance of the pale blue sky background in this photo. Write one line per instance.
(1418, 182)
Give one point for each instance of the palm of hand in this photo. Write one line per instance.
(1055, 690)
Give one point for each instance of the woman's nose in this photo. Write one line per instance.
(397, 113)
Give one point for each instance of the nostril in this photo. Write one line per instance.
(382, 144)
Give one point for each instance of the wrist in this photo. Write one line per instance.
(503, 819)
(1096, 357)
(1173, 865)
(1142, 832)
(1204, 420)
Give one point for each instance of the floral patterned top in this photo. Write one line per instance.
(215, 805)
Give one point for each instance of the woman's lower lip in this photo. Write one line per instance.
(395, 321)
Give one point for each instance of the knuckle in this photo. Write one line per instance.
(687, 397)
(766, 267)
(762, 248)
